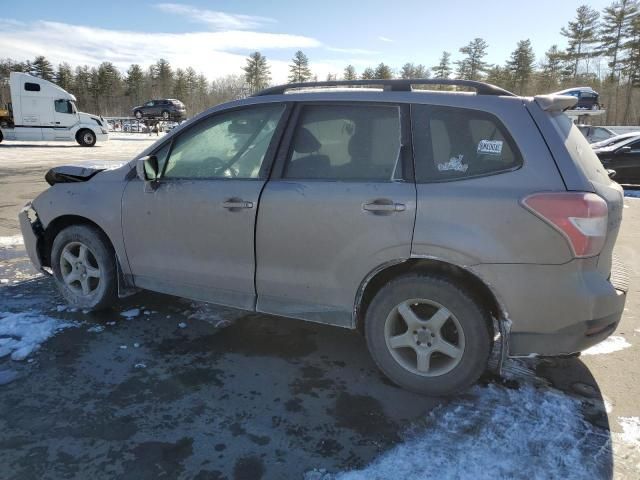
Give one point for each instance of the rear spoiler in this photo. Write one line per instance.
(555, 103)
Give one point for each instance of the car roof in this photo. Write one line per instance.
(582, 89)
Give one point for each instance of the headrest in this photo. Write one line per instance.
(306, 142)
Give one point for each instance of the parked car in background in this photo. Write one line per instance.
(596, 134)
(588, 98)
(624, 158)
(616, 139)
(135, 127)
(167, 109)
(434, 223)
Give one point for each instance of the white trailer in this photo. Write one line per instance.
(41, 110)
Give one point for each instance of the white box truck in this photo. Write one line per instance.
(41, 110)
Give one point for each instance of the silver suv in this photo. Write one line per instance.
(443, 225)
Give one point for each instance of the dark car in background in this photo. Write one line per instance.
(167, 109)
(596, 134)
(588, 98)
(624, 158)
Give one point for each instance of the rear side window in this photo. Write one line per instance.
(346, 142)
(32, 87)
(457, 143)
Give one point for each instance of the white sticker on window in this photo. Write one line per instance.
(490, 147)
(454, 163)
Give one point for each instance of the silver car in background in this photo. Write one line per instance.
(443, 225)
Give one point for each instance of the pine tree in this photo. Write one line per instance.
(64, 76)
(163, 78)
(615, 28)
(631, 65)
(500, 76)
(41, 67)
(299, 70)
(134, 82)
(180, 88)
(350, 73)
(520, 66)
(257, 73)
(443, 69)
(552, 69)
(368, 74)
(580, 34)
(473, 66)
(383, 72)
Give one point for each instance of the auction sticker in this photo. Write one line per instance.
(490, 147)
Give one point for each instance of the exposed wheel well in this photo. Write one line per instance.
(465, 279)
(59, 224)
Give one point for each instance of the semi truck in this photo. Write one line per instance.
(41, 110)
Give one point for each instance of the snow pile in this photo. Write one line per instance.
(129, 314)
(10, 242)
(630, 430)
(23, 333)
(496, 432)
(610, 345)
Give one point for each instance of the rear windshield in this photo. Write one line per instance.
(579, 148)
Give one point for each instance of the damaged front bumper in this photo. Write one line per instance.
(33, 234)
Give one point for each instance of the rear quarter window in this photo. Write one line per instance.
(456, 143)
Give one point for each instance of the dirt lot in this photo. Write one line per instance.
(161, 387)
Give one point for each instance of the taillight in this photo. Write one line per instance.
(580, 216)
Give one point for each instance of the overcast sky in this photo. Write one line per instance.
(215, 36)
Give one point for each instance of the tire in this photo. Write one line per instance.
(595, 107)
(137, 114)
(1, 137)
(428, 301)
(86, 138)
(165, 114)
(83, 250)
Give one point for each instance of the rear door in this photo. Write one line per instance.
(340, 203)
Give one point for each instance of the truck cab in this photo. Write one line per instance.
(41, 110)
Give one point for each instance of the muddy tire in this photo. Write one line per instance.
(83, 264)
(86, 138)
(427, 335)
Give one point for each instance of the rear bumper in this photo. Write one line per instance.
(558, 309)
(32, 234)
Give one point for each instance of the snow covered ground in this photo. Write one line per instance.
(23, 333)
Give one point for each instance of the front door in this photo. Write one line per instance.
(340, 205)
(64, 117)
(626, 162)
(193, 235)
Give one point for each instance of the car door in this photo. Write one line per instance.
(340, 204)
(193, 235)
(64, 117)
(148, 108)
(626, 162)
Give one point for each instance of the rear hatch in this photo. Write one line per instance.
(588, 164)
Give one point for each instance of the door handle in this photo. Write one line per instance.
(383, 206)
(236, 204)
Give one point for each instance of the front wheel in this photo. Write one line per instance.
(83, 265)
(427, 335)
(86, 138)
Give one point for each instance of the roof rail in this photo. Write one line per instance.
(395, 85)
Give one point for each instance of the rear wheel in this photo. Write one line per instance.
(83, 265)
(427, 335)
(165, 114)
(138, 114)
(86, 138)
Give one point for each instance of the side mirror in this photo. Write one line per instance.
(611, 173)
(147, 169)
(626, 149)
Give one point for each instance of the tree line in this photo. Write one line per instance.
(603, 52)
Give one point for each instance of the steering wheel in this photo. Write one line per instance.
(217, 164)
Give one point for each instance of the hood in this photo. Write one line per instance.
(79, 173)
(89, 118)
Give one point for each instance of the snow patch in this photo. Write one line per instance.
(182, 325)
(630, 430)
(129, 314)
(610, 345)
(12, 241)
(495, 432)
(23, 333)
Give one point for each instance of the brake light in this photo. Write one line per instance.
(580, 216)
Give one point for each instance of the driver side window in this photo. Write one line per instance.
(227, 145)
